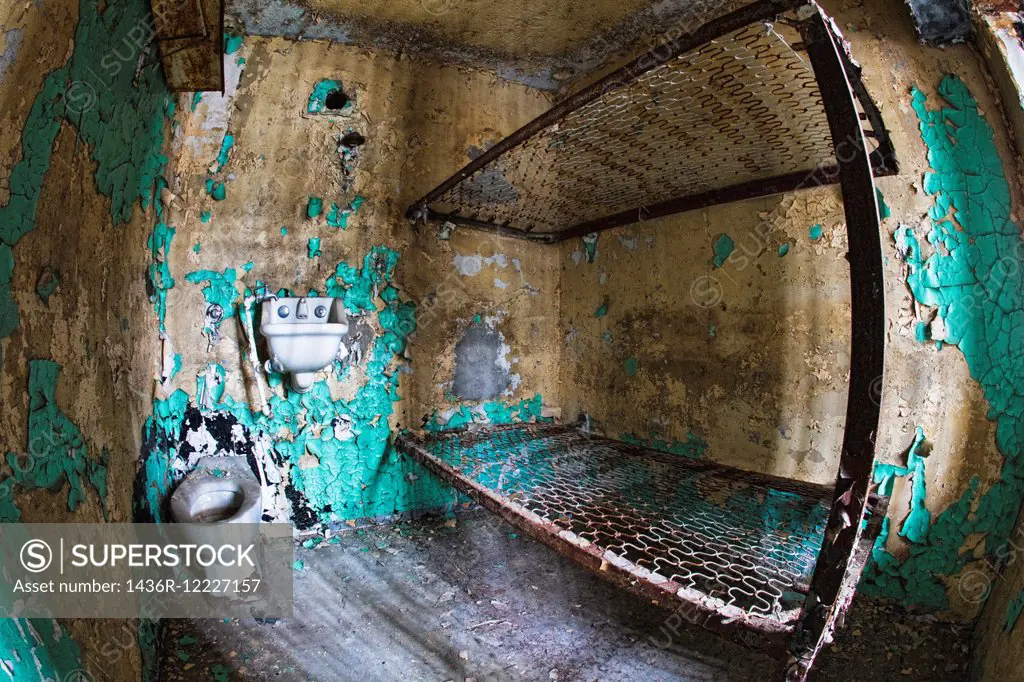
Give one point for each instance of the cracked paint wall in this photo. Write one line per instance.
(276, 190)
(781, 337)
(81, 141)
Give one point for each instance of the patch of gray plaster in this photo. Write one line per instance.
(481, 368)
(499, 283)
(12, 41)
(215, 108)
(468, 266)
(630, 242)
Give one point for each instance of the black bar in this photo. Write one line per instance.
(826, 175)
(834, 573)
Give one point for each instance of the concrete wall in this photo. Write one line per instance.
(79, 150)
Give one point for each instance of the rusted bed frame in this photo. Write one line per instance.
(519, 188)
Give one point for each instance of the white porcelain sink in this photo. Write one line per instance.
(304, 335)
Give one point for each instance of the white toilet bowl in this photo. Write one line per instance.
(218, 490)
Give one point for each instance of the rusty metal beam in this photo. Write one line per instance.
(178, 19)
(195, 63)
(837, 568)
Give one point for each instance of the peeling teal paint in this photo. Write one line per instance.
(783, 249)
(724, 246)
(313, 247)
(814, 232)
(117, 114)
(205, 216)
(38, 650)
(590, 246)
(343, 475)
(602, 309)
(318, 98)
(883, 208)
(338, 217)
(314, 207)
(225, 151)
(57, 453)
(494, 413)
(219, 290)
(232, 43)
(973, 280)
(197, 97)
(1013, 611)
(216, 189)
(695, 446)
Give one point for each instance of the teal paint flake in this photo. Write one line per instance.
(314, 207)
(883, 208)
(724, 246)
(494, 413)
(38, 650)
(590, 246)
(318, 98)
(197, 97)
(313, 247)
(694, 447)
(196, 247)
(921, 331)
(630, 366)
(814, 232)
(216, 189)
(219, 673)
(159, 271)
(232, 43)
(225, 151)
(602, 309)
(240, 61)
(220, 289)
(299, 565)
(338, 217)
(783, 249)
(979, 296)
(117, 114)
(248, 266)
(1013, 611)
(205, 216)
(284, 230)
(57, 453)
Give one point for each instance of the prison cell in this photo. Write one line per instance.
(764, 100)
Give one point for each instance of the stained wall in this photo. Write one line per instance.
(81, 136)
(747, 363)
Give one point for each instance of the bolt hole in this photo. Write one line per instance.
(336, 99)
(353, 139)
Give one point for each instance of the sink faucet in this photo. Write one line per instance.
(302, 309)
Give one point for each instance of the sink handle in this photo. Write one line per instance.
(302, 310)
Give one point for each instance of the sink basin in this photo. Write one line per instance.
(304, 335)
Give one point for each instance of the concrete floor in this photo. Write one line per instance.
(472, 600)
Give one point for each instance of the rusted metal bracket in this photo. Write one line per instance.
(190, 36)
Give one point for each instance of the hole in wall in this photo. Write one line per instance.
(336, 100)
(353, 139)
